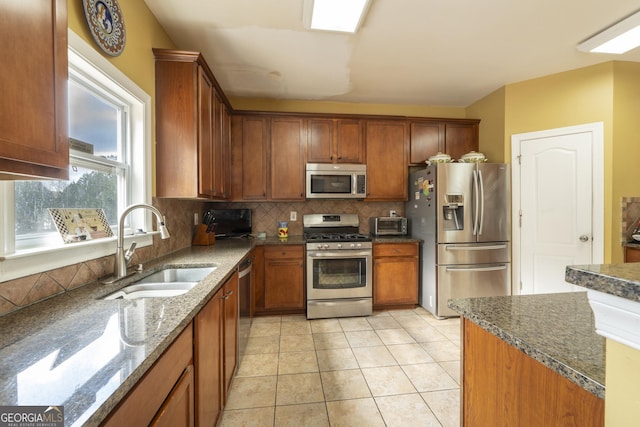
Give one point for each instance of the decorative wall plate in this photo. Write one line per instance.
(106, 24)
(77, 225)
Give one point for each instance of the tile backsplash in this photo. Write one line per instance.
(630, 212)
(24, 291)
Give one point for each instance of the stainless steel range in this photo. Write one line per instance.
(339, 268)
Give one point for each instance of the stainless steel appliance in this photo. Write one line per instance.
(461, 213)
(336, 181)
(339, 260)
(388, 226)
(245, 291)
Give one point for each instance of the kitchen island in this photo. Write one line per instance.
(532, 359)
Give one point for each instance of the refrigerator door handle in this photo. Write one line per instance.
(475, 248)
(475, 202)
(492, 268)
(481, 197)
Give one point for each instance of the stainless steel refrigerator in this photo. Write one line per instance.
(460, 211)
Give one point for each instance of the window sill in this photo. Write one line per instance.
(26, 262)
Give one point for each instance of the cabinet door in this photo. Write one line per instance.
(282, 287)
(631, 254)
(395, 274)
(205, 135)
(33, 104)
(386, 145)
(460, 138)
(225, 185)
(349, 141)
(255, 137)
(231, 302)
(177, 410)
(208, 341)
(427, 138)
(287, 159)
(320, 141)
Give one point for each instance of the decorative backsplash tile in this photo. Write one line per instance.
(18, 293)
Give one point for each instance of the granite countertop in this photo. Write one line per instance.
(555, 329)
(87, 353)
(621, 280)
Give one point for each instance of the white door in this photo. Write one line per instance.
(555, 216)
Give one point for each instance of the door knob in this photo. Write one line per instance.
(584, 238)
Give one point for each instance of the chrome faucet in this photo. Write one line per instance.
(124, 258)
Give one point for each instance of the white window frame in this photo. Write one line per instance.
(15, 264)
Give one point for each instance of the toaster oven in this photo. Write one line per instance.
(388, 226)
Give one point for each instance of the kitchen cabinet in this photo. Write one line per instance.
(335, 141)
(504, 386)
(215, 351)
(249, 161)
(287, 159)
(280, 285)
(33, 107)
(189, 128)
(395, 274)
(631, 254)
(164, 396)
(230, 329)
(428, 137)
(386, 145)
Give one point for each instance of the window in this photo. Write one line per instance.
(109, 129)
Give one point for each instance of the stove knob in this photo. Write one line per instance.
(339, 245)
(325, 246)
(319, 245)
(353, 245)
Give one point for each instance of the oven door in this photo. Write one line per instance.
(339, 274)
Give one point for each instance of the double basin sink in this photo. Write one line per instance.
(169, 282)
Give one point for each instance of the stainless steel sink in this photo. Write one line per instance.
(172, 275)
(169, 282)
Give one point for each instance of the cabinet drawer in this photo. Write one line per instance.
(282, 252)
(395, 249)
(143, 402)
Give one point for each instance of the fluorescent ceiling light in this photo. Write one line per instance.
(335, 15)
(619, 38)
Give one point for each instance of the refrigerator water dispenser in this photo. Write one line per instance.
(453, 212)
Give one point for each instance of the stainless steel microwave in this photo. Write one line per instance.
(388, 226)
(336, 181)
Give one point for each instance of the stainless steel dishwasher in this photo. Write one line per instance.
(246, 312)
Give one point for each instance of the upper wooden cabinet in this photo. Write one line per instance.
(190, 139)
(335, 141)
(287, 159)
(429, 137)
(249, 161)
(386, 159)
(33, 106)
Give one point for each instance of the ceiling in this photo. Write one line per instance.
(425, 52)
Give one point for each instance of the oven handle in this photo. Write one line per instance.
(347, 253)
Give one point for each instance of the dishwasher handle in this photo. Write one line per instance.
(244, 269)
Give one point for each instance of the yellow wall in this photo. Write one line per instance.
(491, 112)
(136, 61)
(623, 386)
(297, 106)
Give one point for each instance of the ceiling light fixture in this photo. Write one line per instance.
(619, 38)
(334, 15)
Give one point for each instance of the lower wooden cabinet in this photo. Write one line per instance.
(281, 289)
(395, 274)
(177, 410)
(631, 254)
(164, 396)
(215, 351)
(502, 386)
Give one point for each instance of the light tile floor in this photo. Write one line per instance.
(395, 368)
